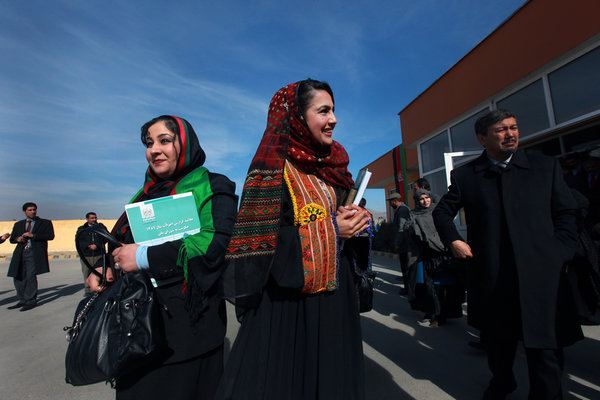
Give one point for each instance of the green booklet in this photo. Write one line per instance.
(164, 219)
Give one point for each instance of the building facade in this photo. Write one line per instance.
(542, 63)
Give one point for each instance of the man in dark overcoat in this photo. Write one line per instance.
(521, 233)
(92, 245)
(30, 257)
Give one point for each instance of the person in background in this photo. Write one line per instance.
(574, 174)
(591, 165)
(363, 204)
(30, 257)
(583, 270)
(442, 293)
(187, 271)
(402, 225)
(423, 183)
(521, 235)
(362, 242)
(289, 268)
(4, 237)
(92, 245)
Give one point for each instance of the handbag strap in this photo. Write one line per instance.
(73, 331)
(109, 238)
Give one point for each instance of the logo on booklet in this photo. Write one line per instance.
(147, 213)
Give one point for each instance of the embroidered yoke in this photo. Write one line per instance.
(314, 211)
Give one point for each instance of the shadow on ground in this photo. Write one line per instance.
(46, 295)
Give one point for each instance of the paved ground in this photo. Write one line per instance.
(403, 359)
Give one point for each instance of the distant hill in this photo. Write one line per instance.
(377, 215)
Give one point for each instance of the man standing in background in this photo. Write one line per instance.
(91, 244)
(30, 257)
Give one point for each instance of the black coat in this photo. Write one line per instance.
(187, 339)
(42, 232)
(88, 236)
(529, 207)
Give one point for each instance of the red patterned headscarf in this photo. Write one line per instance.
(255, 232)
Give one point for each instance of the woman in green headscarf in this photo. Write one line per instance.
(187, 270)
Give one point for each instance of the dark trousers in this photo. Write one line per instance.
(26, 283)
(503, 333)
(545, 370)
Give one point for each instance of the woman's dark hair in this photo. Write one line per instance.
(169, 121)
(490, 118)
(305, 92)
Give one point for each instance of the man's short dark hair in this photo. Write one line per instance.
(423, 183)
(90, 213)
(29, 204)
(490, 118)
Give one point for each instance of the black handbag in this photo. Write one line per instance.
(365, 291)
(115, 330)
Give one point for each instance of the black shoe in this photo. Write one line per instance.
(28, 307)
(15, 306)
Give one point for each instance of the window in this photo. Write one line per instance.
(575, 87)
(549, 147)
(460, 160)
(432, 152)
(463, 134)
(529, 105)
(582, 140)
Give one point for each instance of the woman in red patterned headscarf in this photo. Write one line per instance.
(290, 269)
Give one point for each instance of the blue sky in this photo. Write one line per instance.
(79, 78)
